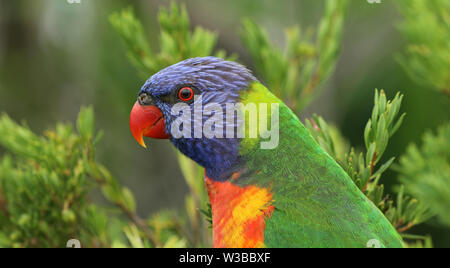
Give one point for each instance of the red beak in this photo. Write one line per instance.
(147, 120)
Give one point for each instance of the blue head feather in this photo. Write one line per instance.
(218, 81)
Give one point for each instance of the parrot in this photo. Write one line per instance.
(292, 194)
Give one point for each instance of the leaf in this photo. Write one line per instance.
(383, 167)
(85, 123)
(128, 199)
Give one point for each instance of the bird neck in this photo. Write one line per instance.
(219, 157)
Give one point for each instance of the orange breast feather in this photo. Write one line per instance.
(238, 214)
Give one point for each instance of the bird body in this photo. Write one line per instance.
(291, 195)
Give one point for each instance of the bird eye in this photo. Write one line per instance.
(143, 99)
(186, 94)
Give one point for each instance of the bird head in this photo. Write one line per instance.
(190, 82)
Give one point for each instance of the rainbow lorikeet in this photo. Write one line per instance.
(290, 194)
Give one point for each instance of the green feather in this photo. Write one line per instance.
(316, 203)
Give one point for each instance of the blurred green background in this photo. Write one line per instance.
(56, 56)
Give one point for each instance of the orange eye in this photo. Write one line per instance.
(186, 94)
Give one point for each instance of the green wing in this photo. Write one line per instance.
(316, 203)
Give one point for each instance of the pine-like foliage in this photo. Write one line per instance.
(297, 73)
(176, 40)
(44, 185)
(426, 27)
(425, 171)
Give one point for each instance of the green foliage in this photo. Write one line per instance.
(418, 241)
(44, 183)
(405, 212)
(427, 30)
(425, 171)
(177, 42)
(379, 128)
(197, 201)
(297, 73)
(45, 186)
